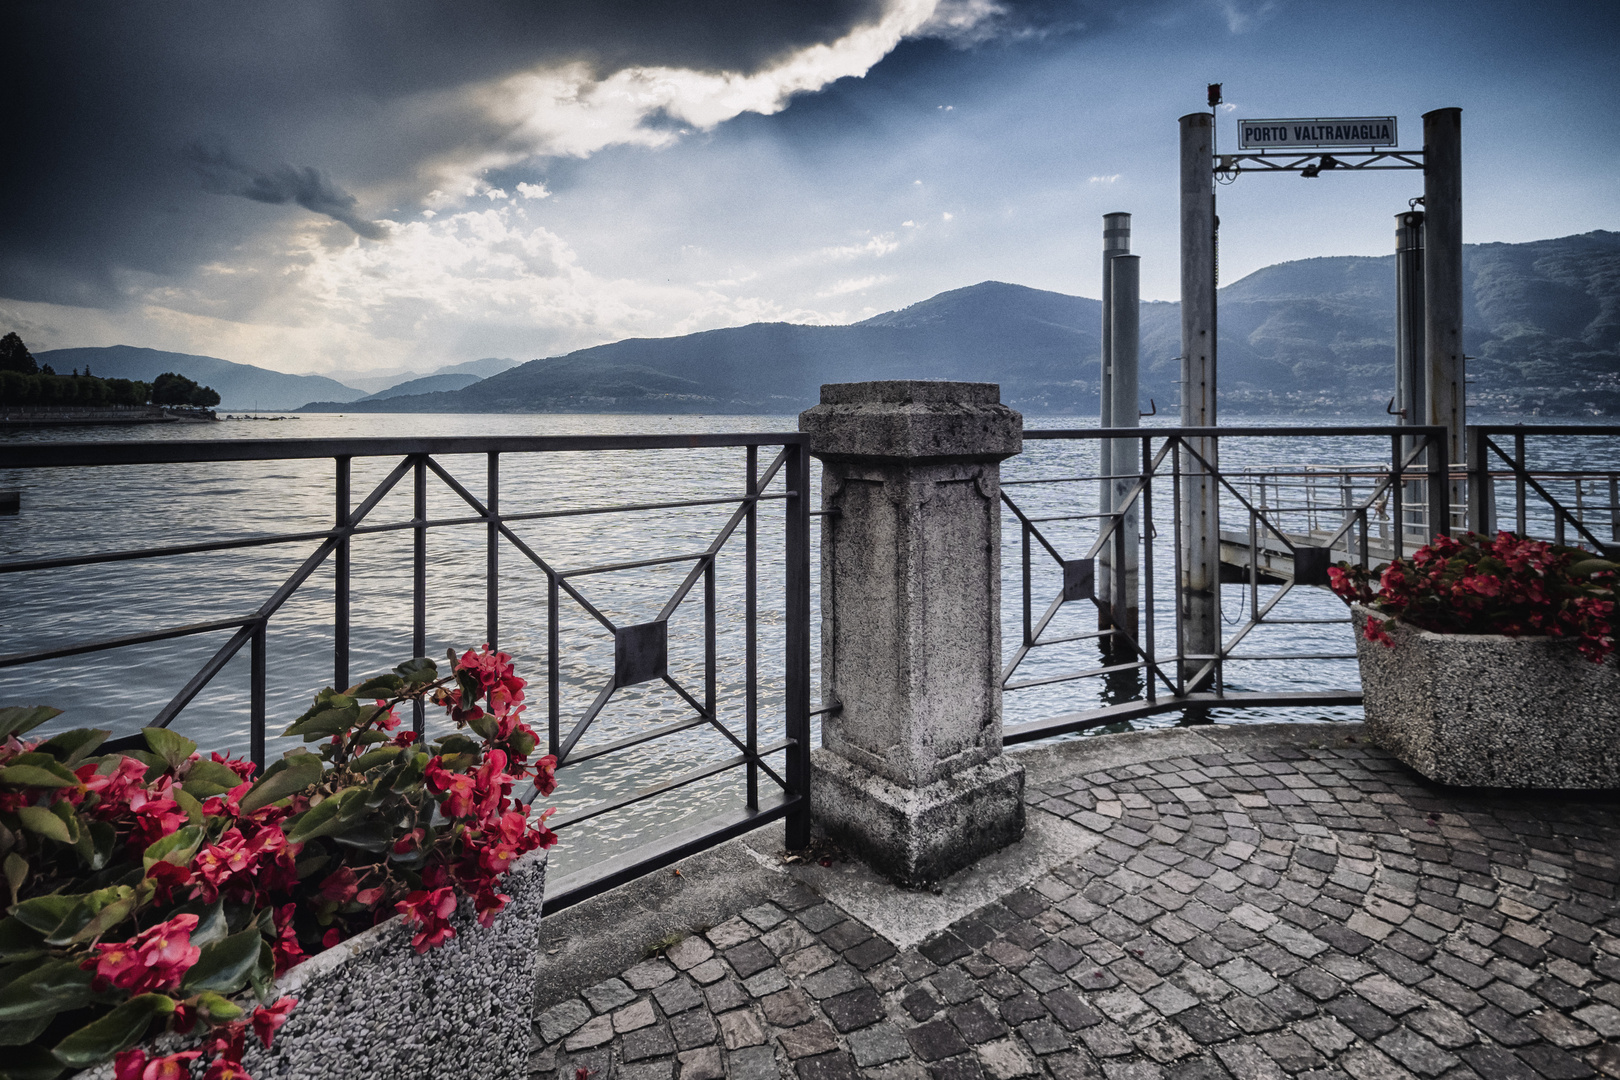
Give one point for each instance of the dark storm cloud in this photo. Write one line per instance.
(104, 102)
(222, 174)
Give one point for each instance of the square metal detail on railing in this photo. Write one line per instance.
(640, 653)
(1079, 579)
(1311, 565)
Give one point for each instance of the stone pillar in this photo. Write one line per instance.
(910, 774)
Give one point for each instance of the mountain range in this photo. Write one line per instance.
(1315, 336)
(1542, 329)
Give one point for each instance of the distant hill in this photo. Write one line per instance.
(376, 384)
(427, 384)
(240, 386)
(1542, 320)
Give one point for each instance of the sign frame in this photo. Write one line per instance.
(1294, 134)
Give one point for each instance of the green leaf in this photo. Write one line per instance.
(60, 918)
(486, 726)
(418, 672)
(208, 778)
(178, 847)
(19, 941)
(367, 738)
(46, 913)
(72, 747)
(52, 776)
(16, 870)
(16, 719)
(1588, 567)
(211, 925)
(31, 1063)
(373, 758)
(379, 686)
(368, 834)
(318, 820)
(326, 723)
(103, 837)
(24, 1032)
(37, 819)
(64, 812)
(55, 986)
(224, 965)
(218, 1009)
(107, 918)
(188, 802)
(302, 770)
(175, 750)
(118, 1030)
(263, 976)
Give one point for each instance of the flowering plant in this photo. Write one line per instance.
(1477, 585)
(153, 887)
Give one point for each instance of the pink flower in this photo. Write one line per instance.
(244, 869)
(154, 960)
(431, 911)
(267, 1020)
(286, 950)
(243, 769)
(133, 1065)
(222, 1069)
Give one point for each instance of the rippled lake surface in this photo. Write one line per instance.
(77, 511)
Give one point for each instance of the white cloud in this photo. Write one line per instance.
(947, 216)
(533, 191)
(877, 247)
(852, 285)
(1109, 179)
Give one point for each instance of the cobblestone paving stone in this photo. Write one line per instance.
(1313, 913)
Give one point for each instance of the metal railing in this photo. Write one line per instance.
(641, 651)
(1282, 543)
(1577, 505)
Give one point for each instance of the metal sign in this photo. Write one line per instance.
(1332, 131)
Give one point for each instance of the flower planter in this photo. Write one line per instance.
(372, 1006)
(1483, 710)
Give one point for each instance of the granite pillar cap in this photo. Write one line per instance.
(912, 420)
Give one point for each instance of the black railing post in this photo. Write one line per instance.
(340, 579)
(1520, 514)
(1149, 534)
(553, 674)
(419, 581)
(751, 623)
(1481, 496)
(797, 659)
(1439, 470)
(256, 693)
(1181, 616)
(492, 556)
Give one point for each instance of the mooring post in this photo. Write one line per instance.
(1446, 369)
(1200, 512)
(910, 774)
(1125, 294)
(1116, 241)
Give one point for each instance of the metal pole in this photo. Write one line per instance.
(1116, 242)
(1481, 489)
(1199, 607)
(797, 660)
(256, 694)
(419, 585)
(1444, 364)
(1125, 272)
(1410, 374)
(492, 557)
(751, 623)
(340, 582)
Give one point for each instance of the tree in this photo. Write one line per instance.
(14, 356)
(172, 389)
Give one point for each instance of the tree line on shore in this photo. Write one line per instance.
(24, 382)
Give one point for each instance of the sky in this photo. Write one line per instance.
(377, 186)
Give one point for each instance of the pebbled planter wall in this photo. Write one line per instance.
(372, 1007)
(1482, 710)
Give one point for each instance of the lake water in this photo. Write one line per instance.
(74, 511)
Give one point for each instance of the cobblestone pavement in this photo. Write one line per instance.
(1255, 915)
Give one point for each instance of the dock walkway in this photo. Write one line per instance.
(1249, 902)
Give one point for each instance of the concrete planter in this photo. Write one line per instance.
(372, 1007)
(1482, 710)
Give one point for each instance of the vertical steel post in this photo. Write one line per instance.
(419, 584)
(1149, 648)
(1481, 488)
(797, 658)
(553, 671)
(340, 579)
(1520, 513)
(1439, 471)
(1445, 367)
(492, 556)
(751, 623)
(1411, 376)
(1199, 585)
(1614, 508)
(1125, 273)
(1116, 242)
(256, 695)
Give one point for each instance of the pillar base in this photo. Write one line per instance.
(918, 835)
